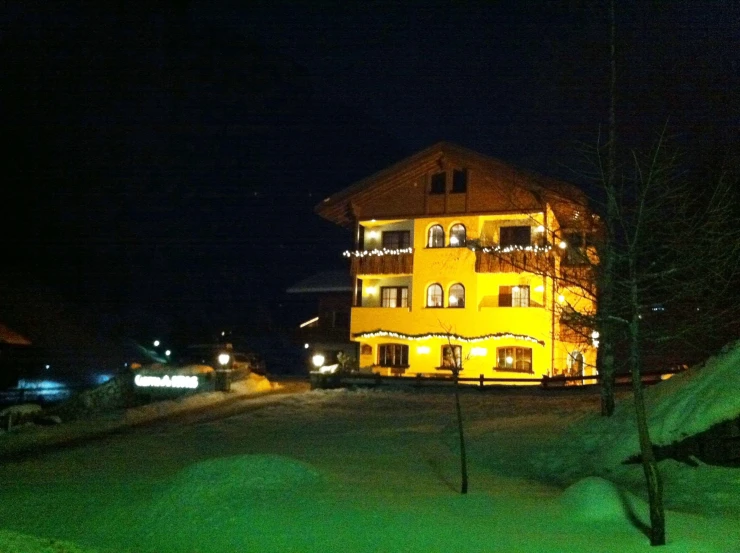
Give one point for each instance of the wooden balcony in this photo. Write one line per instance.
(517, 261)
(388, 264)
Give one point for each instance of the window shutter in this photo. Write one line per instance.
(504, 296)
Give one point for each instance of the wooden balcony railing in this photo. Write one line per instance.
(388, 264)
(517, 261)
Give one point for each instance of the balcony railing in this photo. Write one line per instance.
(382, 262)
(520, 260)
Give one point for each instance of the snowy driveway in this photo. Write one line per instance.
(336, 471)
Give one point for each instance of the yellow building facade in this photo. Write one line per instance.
(463, 261)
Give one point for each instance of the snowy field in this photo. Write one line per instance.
(377, 471)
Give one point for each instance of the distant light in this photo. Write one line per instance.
(223, 333)
(478, 352)
(563, 244)
(539, 288)
(305, 346)
(453, 300)
(373, 234)
(509, 360)
(540, 228)
(515, 288)
(454, 241)
(47, 366)
(372, 220)
(308, 322)
(168, 353)
(371, 290)
(423, 350)
(223, 358)
(318, 360)
(561, 298)
(595, 334)
(156, 343)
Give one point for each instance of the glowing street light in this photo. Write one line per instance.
(156, 343)
(318, 360)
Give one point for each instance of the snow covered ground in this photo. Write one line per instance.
(377, 471)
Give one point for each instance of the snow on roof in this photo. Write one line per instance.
(327, 281)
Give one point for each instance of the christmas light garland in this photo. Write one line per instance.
(467, 340)
(509, 249)
(384, 251)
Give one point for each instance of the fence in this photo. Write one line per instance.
(319, 380)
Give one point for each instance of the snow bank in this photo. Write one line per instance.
(597, 499)
(682, 406)
(225, 483)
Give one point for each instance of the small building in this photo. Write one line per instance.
(327, 333)
(461, 260)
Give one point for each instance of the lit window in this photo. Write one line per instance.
(514, 359)
(435, 296)
(394, 296)
(451, 356)
(457, 235)
(513, 296)
(457, 295)
(436, 237)
(393, 355)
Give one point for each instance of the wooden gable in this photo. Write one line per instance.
(405, 190)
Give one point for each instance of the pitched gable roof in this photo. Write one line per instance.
(341, 208)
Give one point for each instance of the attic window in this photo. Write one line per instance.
(438, 184)
(459, 181)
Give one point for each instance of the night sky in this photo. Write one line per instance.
(164, 162)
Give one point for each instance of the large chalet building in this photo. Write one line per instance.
(461, 260)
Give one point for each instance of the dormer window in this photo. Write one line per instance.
(439, 183)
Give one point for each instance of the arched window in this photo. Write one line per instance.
(436, 238)
(457, 235)
(435, 296)
(457, 295)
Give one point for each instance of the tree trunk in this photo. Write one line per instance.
(649, 464)
(463, 457)
(606, 292)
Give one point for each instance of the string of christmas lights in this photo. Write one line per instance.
(467, 340)
(384, 251)
(508, 249)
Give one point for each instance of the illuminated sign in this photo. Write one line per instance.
(166, 381)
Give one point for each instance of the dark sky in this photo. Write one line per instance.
(167, 159)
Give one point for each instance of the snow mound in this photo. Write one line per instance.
(230, 483)
(694, 401)
(23, 543)
(682, 406)
(595, 498)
